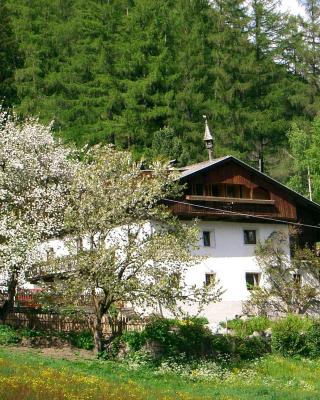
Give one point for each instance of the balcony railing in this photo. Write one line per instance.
(229, 199)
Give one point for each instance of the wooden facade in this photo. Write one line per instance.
(230, 189)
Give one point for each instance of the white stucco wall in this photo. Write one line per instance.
(229, 258)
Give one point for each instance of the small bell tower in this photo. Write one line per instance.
(208, 139)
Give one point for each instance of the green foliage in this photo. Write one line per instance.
(8, 335)
(10, 58)
(141, 74)
(222, 346)
(289, 335)
(246, 327)
(313, 340)
(191, 339)
(112, 351)
(189, 336)
(135, 340)
(251, 348)
(81, 340)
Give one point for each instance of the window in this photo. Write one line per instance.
(79, 244)
(50, 253)
(210, 278)
(206, 238)
(215, 191)
(297, 278)
(231, 191)
(250, 236)
(199, 189)
(252, 280)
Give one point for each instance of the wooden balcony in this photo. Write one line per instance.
(231, 200)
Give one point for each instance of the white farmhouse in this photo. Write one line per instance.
(236, 206)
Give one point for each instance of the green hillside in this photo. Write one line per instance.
(141, 73)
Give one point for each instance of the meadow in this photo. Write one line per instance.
(27, 375)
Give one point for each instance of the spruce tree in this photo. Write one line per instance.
(311, 55)
(232, 55)
(10, 58)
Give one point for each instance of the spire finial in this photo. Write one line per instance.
(208, 139)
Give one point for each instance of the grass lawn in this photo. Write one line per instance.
(26, 375)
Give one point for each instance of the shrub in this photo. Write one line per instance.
(135, 340)
(193, 338)
(189, 336)
(313, 340)
(289, 335)
(8, 335)
(246, 327)
(251, 348)
(112, 350)
(222, 345)
(81, 340)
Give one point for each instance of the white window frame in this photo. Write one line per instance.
(212, 238)
(256, 282)
(211, 274)
(243, 236)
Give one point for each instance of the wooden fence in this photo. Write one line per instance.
(34, 319)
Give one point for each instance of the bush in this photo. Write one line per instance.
(191, 339)
(289, 335)
(246, 327)
(189, 336)
(251, 348)
(135, 340)
(313, 340)
(81, 340)
(222, 345)
(8, 335)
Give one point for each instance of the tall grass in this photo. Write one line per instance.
(29, 376)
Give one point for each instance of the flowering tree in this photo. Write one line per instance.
(291, 284)
(35, 175)
(125, 247)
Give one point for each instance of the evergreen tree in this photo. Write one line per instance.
(231, 54)
(192, 89)
(144, 69)
(266, 100)
(311, 55)
(10, 58)
(304, 152)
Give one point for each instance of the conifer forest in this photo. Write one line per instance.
(142, 73)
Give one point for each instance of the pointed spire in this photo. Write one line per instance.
(208, 139)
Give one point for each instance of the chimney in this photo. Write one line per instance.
(208, 139)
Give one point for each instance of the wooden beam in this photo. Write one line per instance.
(229, 200)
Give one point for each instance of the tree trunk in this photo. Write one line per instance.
(8, 304)
(97, 333)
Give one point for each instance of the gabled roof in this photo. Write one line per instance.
(195, 169)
